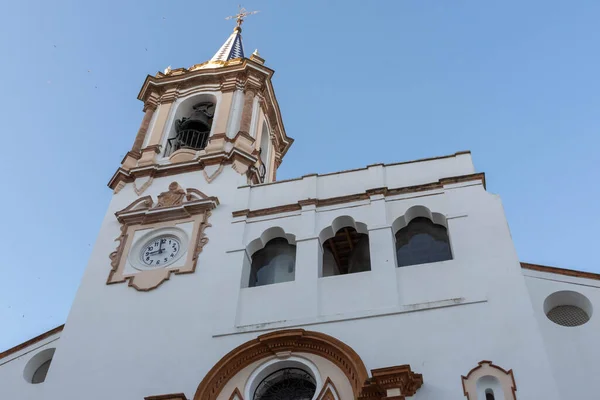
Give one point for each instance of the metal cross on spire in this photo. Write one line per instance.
(239, 17)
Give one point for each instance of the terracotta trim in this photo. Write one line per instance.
(161, 170)
(141, 134)
(561, 271)
(132, 154)
(175, 396)
(328, 391)
(270, 344)
(32, 341)
(236, 395)
(356, 197)
(400, 376)
(152, 147)
(308, 202)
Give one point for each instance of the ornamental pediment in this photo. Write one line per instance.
(175, 203)
(160, 237)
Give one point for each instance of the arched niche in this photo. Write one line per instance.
(281, 345)
(488, 378)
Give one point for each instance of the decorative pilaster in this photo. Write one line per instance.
(130, 159)
(246, 119)
(149, 152)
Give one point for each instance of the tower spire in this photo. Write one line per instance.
(233, 47)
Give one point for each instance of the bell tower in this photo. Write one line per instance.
(219, 114)
(206, 131)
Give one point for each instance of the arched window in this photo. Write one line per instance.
(489, 394)
(275, 263)
(421, 242)
(346, 252)
(286, 384)
(192, 129)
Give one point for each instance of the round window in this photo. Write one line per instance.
(286, 384)
(568, 316)
(568, 308)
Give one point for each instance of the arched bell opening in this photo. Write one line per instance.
(275, 263)
(193, 128)
(346, 251)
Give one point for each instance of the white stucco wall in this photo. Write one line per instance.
(573, 351)
(441, 318)
(13, 384)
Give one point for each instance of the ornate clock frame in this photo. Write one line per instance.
(173, 207)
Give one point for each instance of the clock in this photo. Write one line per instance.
(160, 251)
(160, 248)
(160, 238)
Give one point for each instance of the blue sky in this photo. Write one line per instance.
(358, 83)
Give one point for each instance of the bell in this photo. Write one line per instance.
(199, 120)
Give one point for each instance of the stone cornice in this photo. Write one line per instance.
(198, 76)
(161, 170)
(366, 195)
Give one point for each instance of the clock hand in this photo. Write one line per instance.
(160, 249)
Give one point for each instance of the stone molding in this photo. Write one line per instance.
(236, 395)
(243, 152)
(392, 383)
(173, 205)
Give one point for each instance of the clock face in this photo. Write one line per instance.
(160, 251)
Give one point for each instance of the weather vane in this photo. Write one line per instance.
(239, 17)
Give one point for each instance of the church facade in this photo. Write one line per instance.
(210, 280)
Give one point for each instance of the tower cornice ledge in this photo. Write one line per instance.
(161, 170)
